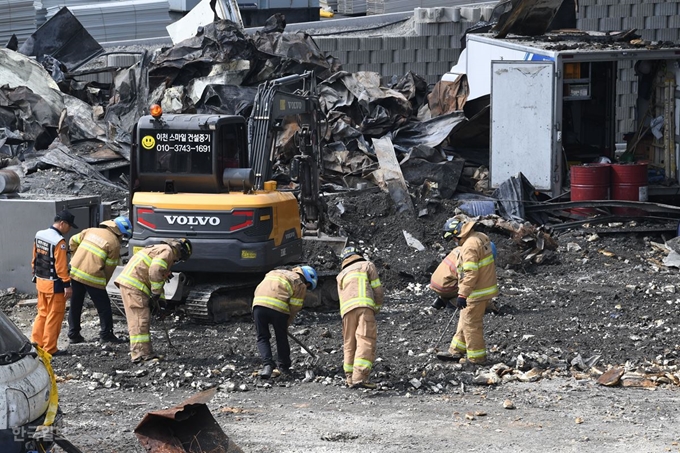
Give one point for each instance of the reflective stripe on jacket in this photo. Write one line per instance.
(96, 252)
(359, 286)
(281, 290)
(148, 269)
(476, 267)
(50, 261)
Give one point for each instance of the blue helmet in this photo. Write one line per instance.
(124, 225)
(310, 275)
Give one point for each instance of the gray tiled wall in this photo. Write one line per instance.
(436, 45)
(430, 52)
(655, 20)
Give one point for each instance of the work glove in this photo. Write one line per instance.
(156, 304)
(461, 302)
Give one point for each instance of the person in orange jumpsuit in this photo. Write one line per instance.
(52, 280)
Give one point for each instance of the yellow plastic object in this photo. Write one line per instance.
(324, 13)
(53, 404)
(269, 186)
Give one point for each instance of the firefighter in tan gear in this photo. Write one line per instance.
(95, 254)
(278, 298)
(473, 267)
(361, 297)
(444, 281)
(52, 281)
(141, 286)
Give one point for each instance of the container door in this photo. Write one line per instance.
(522, 122)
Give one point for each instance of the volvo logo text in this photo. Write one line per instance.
(192, 220)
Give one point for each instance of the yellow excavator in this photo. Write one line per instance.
(208, 178)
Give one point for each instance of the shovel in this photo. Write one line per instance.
(315, 358)
(436, 345)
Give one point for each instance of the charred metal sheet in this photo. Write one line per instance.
(643, 205)
(186, 428)
(474, 133)
(528, 17)
(432, 132)
(64, 38)
(447, 97)
(513, 195)
(446, 174)
(624, 229)
(131, 91)
(61, 156)
(611, 377)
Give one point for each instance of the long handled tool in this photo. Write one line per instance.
(436, 345)
(302, 345)
(156, 309)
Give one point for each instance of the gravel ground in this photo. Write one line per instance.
(600, 299)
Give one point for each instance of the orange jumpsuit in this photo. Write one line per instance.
(361, 297)
(476, 271)
(50, 269)
(143, 276)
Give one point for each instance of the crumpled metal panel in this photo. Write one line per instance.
(62, 37)
(527, 17)
(186, 428)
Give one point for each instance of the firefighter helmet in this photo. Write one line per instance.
(182, 247)
(347, 252)
(453, 228)
(124, 226)
(310, 275)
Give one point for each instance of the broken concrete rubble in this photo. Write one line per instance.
(362, 114)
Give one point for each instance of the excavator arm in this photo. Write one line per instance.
(275, 101)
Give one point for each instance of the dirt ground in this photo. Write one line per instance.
(602, 299)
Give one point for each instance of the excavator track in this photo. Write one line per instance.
(197, 302)
(206, 303)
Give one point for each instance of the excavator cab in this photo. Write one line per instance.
(192, 179)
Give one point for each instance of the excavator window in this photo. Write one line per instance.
(231, 147)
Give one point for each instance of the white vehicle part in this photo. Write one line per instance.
(201, 15)
(24, 392)
(478, 66)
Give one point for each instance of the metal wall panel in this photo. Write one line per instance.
(522, 113)
(21, 219)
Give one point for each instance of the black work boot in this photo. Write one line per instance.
(438, 303)
(76, 339)
(266, 371)
(109, 337)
